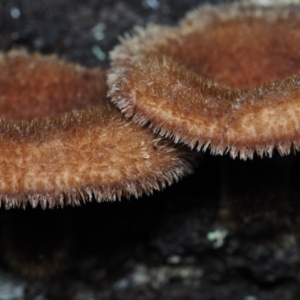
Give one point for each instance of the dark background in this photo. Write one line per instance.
(229, 231)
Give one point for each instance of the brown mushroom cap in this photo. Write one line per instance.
(62, 142)
(226, 79)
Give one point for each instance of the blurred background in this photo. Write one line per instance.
(229, 231)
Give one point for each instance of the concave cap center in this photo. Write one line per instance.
(242, 52)
(32, 86)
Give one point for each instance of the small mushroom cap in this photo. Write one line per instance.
(62, 141)
(226, 79)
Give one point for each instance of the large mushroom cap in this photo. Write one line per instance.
(61, 141)
(226, 79)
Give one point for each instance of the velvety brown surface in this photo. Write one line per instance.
(242, 53)
(32, 86)
(227, 79)
(229, 231)
(65, 158)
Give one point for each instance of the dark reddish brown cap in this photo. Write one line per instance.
(62, 142)
(226, 79)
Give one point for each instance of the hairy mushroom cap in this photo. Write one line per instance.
(226, 79)
(62, 142)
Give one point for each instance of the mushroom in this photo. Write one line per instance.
(62, 142)
(227, 78)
